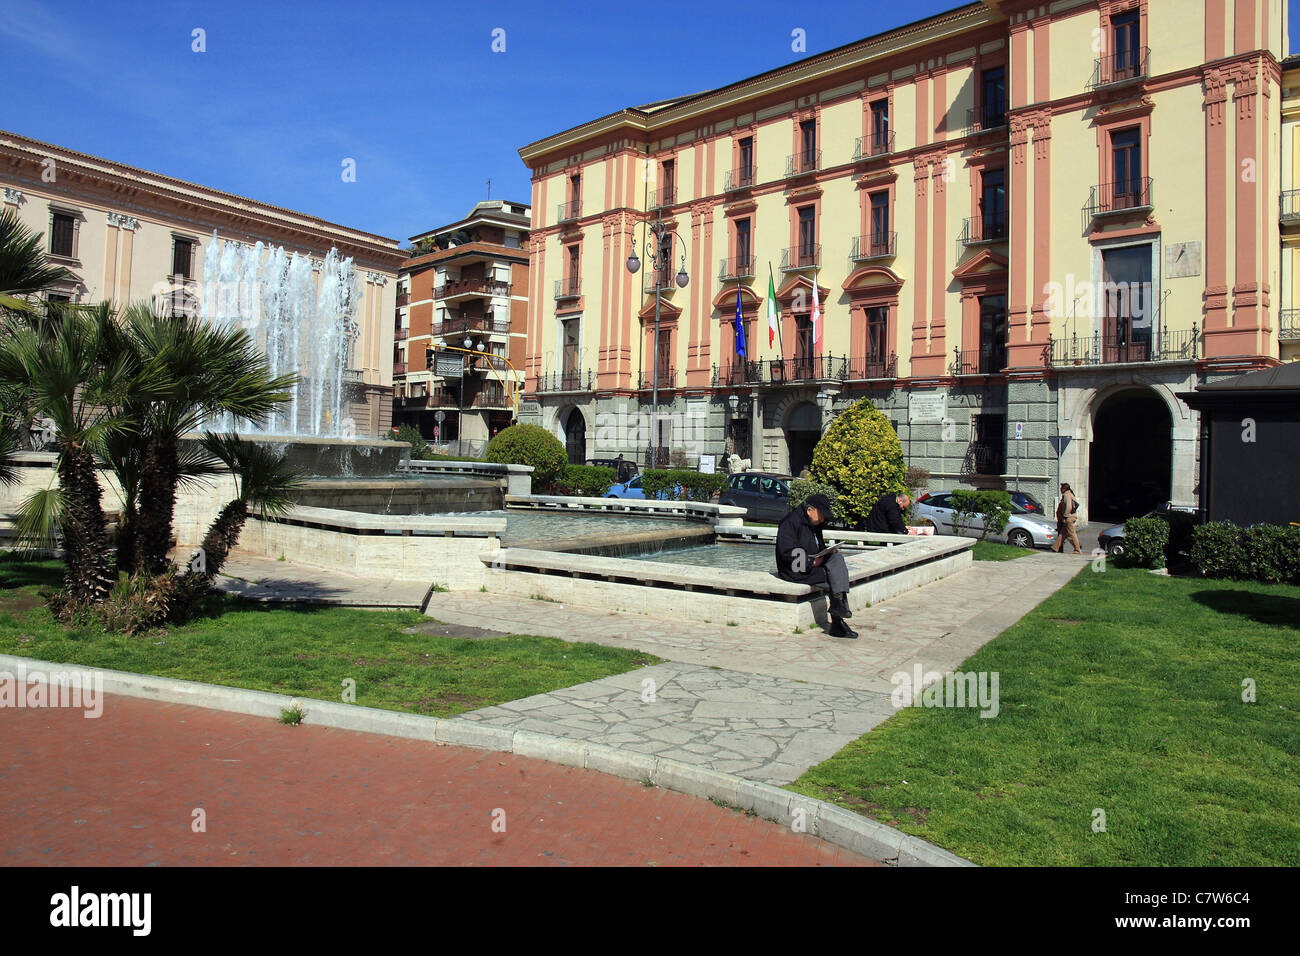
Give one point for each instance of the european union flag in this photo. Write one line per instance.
(740, 327)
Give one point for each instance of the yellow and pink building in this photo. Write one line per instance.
(1028, 225)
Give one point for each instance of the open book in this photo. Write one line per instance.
(829, 551)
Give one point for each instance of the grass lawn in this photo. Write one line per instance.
(1122, 692)
(996, 551)
(309, 651)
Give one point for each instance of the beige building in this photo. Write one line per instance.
(130, 235)
(1289, 317)
(1029, 226)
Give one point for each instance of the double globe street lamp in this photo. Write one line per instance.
(660, 260)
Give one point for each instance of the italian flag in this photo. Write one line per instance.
(771, 308)
(816, 318)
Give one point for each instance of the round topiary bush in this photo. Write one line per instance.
(861, 456)
(529, 445)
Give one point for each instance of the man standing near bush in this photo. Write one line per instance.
(798, 541)
(887, 516)
(1065, 510)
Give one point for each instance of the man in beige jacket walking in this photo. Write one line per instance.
(1065, 516)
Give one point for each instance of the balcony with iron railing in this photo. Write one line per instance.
(1135, 346)
(668, 379)
(1109, 199)
(987, 117)
(658, 280)
(663, 198)
(802, 162)
(568, 211)
(403, 299)
(399, 368)
(575, 381)
(730, 270)
(1288, 326)
(783, 371)
(479, 286)
(743, 178)
(483, 324)
(989, 359)
(1123, 67)
(1289, 207)
(877, 246)
(806, 256)
(982, 229)
(873, 144)
(400, 334)
(569, 288)
(489, 398)
(873, 367)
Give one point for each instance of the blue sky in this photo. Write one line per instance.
(412, 92)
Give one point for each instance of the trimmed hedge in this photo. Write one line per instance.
(584, 481)
(695, 486)
(1266, 553)
(861, 457)
(1145, 543)
(529, 445)
(801, 489)
(991, 508)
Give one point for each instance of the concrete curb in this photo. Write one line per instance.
(818, 818)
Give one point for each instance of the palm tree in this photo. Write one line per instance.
(264, 484)
(25, 269)
(209, 370)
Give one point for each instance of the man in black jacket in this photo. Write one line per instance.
(887, 515)
(798, 541)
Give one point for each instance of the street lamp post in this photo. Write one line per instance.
(659, 261)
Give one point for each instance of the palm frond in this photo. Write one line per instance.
(40, 519)
(264, 478)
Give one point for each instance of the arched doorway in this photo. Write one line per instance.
(575, 437)
(803, 429)
(1130, 460)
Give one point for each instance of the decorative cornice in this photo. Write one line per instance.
(130, 223)
(14, 196)
(378, 278)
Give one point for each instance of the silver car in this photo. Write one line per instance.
(1024, 528)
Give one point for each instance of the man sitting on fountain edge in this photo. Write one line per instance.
(798, 542)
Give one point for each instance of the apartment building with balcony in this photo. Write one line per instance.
(130, 236)
(1028, 226)
(462, 310)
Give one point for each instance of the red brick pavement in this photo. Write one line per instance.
(121, 790)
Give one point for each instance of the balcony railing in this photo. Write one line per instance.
(566, 381)
(476, 286)
(801, 257)
(490, 398)
(569, 288)
(1135, 346)
(1288, 327)
(400, 335)
(403, 299)
(399, 368)
(568, 210)
(873, 144)
(804, 161)
(658, 280)
(1290, 206)
(1132, 195)
(989, 116)
(878, 246)
(732, 269)
(806, 368)
(869, 367)
(984, 458)
(743, 178)
(978, 229)
(483, 363)
(453, 325)
(668, 378)
(1119, 67)
(662, 198)
(988, 360)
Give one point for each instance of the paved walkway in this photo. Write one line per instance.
(121, 790)
(762, 704)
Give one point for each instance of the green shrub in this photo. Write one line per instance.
(1216, 549)
(801, 489)
(411, 434)
(916, 479)
(529, 445)
(983, 511)
(1271, 554)
(695, 486)
(585, 481)
(860, 456)
(1145, 541)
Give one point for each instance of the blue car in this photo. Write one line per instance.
(632, 489)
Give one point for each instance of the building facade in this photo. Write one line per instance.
(1028, 227)
(1289, 212)
(462, 311)
(129, 235)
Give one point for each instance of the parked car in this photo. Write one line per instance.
(1024, 529)
(623, 470)
(1028, 502)
(764, 496)
(633, 489)
(1181, 521)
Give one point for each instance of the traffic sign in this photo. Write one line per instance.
(440, 416)
(1020, 430)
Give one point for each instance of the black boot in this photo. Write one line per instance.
(840, 629)
(839, 605)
